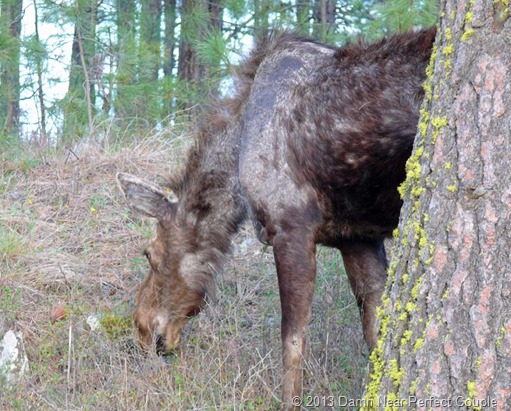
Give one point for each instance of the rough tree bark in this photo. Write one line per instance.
(446, 315)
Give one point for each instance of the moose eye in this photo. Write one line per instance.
(147, 255)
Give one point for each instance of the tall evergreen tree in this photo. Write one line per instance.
(150, 60)
(169, 61)
(126, 61)
(78, 107)
(262, 10)
(394, 16)
(303, 16)
(445, 317)
(325, 18)
(201, 21)
(168, 55)
(191, 13)
(11, 14)
(39, 53)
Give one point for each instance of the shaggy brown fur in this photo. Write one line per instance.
(312, 147)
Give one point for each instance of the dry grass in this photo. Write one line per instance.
(67, 241)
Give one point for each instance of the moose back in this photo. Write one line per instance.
(311, 148)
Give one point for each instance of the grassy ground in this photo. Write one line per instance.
(71, 249)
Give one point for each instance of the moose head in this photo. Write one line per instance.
(180, 278)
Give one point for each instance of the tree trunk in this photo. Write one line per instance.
(325, 18)
(150, 61)
(187, 69)
(79, 102)
(150, 26)
(214, 25)
(43, 140)
(446, 315)
(170, 40)
(192, 71)
(126, 61)
(169, 7)
(10, 17)
(215, 10)
(192, 30)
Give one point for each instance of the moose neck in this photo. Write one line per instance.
(207, 189)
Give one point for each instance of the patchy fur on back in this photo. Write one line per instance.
(312, 147)
(350, 127)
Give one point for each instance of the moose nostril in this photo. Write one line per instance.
(160, 345)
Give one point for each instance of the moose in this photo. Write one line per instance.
(311, 148)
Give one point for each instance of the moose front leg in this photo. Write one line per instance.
(295, 257)
(366, 265)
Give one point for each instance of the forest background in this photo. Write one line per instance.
(89, 68)
(89, 88)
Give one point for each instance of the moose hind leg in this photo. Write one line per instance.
(295, 257)
(366, 265)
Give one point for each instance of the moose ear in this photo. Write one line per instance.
(143, 196)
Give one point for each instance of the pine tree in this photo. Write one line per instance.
(445, 317)
(402, 15)
(149, 61)
(201, 27)
(11, 13)
(126, 62)
(169, 60)
(78, 105)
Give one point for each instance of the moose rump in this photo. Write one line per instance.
(312, 148)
